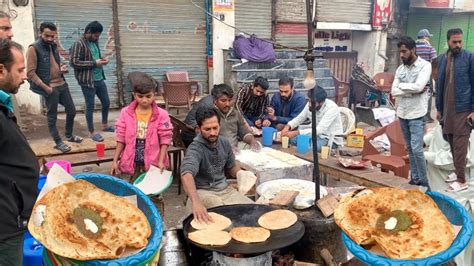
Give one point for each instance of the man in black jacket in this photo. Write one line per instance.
(45, 74)
(19, 168)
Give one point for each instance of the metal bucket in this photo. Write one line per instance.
(264, 259)
(173, 251)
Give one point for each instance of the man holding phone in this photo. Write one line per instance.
(455, 104)
(88, 65)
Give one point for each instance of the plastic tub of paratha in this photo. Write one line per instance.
(455, 213)
(120, 188)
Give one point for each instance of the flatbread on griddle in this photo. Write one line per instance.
(210, 237)
(250, 234)
(278, 219)
(427, 233)
(64, 230)
(220, 222)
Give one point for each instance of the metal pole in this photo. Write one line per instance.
(314, 135)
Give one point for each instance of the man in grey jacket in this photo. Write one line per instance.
(203, 172)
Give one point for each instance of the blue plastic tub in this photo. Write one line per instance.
(121, 188)
(32, 251)
(455, 213)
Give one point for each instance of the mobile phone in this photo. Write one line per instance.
(469, 122)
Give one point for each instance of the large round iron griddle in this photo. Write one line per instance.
(247, 215)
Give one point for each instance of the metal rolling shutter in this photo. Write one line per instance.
(254, 17)
(454, 21)
(71, 18)
(158, 36)
(416, 22)
(470, 37)
(348, 11)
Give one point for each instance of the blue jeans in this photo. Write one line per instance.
(320, 142)
(99, 89)
(413, 132)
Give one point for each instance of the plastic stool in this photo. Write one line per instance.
(66, 165)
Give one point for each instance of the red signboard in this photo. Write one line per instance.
(382, 13)
(432, 3)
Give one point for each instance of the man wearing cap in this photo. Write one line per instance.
(428, 53)
(328, 120)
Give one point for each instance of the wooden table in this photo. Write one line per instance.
(365, 177)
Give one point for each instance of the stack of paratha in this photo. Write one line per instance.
(211, 234)
(77, 220)
(406, 224)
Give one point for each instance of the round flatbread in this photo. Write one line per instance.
(210, 237)
(220, 223)
(406, 224)
(80, 221)
(278, 219)
(250, 234)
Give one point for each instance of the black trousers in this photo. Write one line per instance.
(60, 95)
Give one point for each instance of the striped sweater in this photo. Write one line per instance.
(83, 63)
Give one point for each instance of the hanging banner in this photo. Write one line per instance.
(222, 5)
(382, 13)
(432, 3)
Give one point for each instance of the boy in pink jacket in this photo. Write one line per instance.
(143, 133)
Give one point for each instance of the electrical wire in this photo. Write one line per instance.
(246, 33)
(11, 12)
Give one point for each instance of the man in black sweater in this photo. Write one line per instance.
(19, 168)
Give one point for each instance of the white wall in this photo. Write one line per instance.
(222, 38)
(370, 45)
(23, 30)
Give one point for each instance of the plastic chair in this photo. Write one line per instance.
(342, 90)
(178, 94)
(397, 161)
(183, 76)
(387, 78)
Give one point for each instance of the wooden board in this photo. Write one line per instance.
(328, 204)
(284, 198)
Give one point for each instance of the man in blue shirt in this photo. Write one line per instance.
(285, 105)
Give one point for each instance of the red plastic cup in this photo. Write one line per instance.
(100, 149)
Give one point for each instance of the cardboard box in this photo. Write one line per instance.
(355, 140)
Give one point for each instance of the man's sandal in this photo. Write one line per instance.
(456, 187)
(75, 139)
(451, 178)
(64, 148)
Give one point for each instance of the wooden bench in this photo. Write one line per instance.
(90, 157)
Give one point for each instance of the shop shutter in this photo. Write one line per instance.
(344, 11)
(159, 36)
(470, 37)
(454, 21)
(254, 17)
(416, 22)
(71, 18)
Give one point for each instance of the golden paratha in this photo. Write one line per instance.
(278, 219)
(220, 222)
(80, 221)
(250, 234)
(210, 237)
(406, 224)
